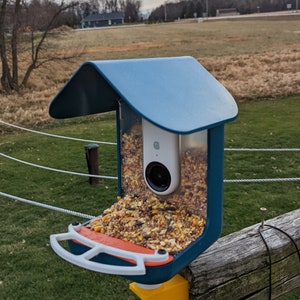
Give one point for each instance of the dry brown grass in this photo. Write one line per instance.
(258, 76)
(253, 59)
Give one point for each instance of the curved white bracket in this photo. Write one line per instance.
(84, 260)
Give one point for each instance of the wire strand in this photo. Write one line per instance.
(50, 207)
(57, 136)
(114, 143)
(264, 180)
(58, 170)
(115, 177)
(269, 252)
(286, 234)
(270, 260)
(257, 180)
(262, 149)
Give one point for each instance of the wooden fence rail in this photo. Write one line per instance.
(237, 266)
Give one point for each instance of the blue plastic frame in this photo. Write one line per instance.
(182, 90)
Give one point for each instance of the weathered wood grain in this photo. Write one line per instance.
(237, 265)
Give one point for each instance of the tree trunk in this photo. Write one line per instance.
(14, 46)
(5, 78)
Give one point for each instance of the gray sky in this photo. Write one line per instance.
(147, 4)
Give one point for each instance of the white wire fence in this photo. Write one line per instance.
(57, 170)
(56, 136)
(47, 206)
(66, 211)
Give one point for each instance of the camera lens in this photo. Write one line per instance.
(158, 176)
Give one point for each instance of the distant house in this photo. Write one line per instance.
(103, 19)
(222, 12)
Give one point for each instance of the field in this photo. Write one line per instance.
(257, 60)
(254, 59)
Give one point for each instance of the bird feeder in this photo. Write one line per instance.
(170, 116)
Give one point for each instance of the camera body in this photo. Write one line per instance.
(161, 159)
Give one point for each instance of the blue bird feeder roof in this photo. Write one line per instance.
(174, 93)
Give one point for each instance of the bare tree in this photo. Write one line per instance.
(6, 77)
(9, 55)
(111, 5)
(14, 46)
(131, 10)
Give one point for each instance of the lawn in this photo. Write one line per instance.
(29, 267)
(257, 60)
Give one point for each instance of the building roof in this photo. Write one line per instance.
(175, 93)
(103, 17)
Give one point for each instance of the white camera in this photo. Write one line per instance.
(161, 160)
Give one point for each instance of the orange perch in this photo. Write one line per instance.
(123, 245)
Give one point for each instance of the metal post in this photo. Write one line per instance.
(165, 8)
(91, 154)
(207, 8)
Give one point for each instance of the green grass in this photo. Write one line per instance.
(29, 269)
(264, 124)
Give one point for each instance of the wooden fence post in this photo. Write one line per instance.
(237, 265)
(91, 154)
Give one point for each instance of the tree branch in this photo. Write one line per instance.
(36, 50)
